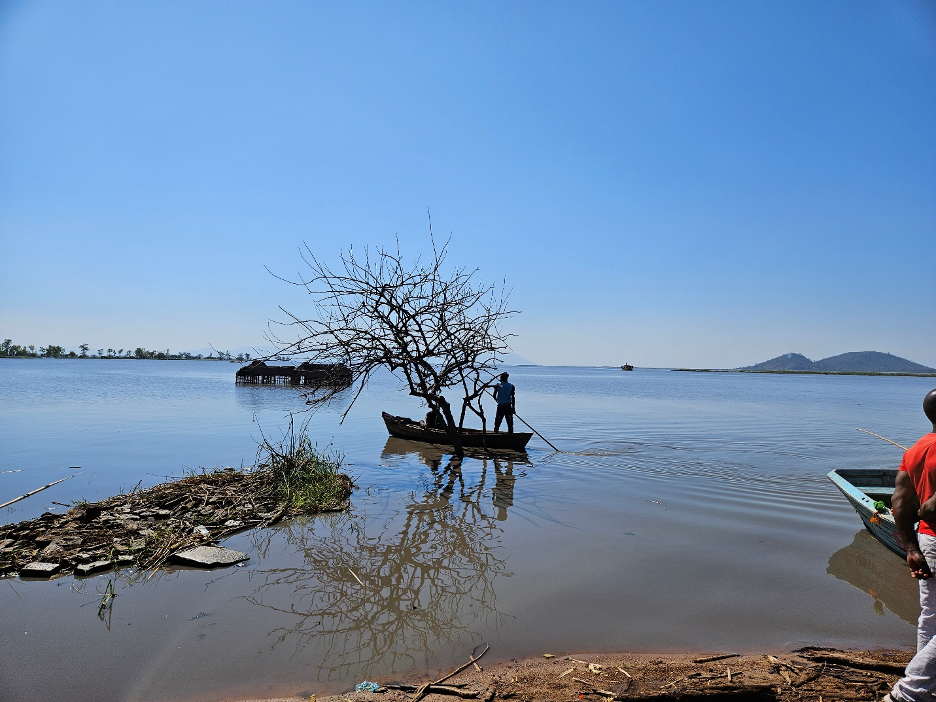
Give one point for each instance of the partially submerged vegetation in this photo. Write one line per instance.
(300, 477)
(145, 528)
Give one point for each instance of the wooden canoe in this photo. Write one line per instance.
(863, 487)
(406, 428)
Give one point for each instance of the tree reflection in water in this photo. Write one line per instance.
(429, 573)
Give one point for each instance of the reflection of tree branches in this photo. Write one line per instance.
(429, 576)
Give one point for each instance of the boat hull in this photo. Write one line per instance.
(406, 428)
(862, 488)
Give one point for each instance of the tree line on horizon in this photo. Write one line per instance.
(10, 350)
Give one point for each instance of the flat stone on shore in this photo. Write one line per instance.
(88, 568)
(209, 556)
(38, 569)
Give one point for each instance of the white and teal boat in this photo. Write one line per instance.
(865, 487)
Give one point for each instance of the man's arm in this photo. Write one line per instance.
(905, 506)
(513, 398)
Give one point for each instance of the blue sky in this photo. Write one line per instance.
(663, 183)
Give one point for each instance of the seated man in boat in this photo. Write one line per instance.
(434, 419)
(506, 399)
(916, 484)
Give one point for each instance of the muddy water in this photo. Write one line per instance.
(694, 514)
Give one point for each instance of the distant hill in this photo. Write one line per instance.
(870, 361)
(852, 362)
(786, 362)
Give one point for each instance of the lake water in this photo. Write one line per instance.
(693, 514)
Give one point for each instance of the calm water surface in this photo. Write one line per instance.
(693, 513)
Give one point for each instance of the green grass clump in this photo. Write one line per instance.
(301, 477)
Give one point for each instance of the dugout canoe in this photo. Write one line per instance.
(863, 487)
(406, 428)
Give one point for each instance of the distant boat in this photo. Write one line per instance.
(406, 428)
(627, 366)
(865, 486)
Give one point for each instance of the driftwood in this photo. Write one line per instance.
(422, 690)
(806, 678)
(356, 578)
(849, 661)
(30, 494)
(722, 656)
(748, 693)
(438, 690)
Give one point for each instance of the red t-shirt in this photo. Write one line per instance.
(920, 463)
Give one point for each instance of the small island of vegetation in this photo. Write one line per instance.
(146, 528)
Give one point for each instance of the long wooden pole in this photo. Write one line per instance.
(882, 438)
(44, 487)
(537, 433)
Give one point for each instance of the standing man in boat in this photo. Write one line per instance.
(915, 500)
(506, 399)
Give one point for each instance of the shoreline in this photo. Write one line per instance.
(784, 676)
(806, 372)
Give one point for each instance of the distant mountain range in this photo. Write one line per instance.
(851, 362)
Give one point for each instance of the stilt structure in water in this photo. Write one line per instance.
(306, 374)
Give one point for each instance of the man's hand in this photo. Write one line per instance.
(904, 507)
(919, 568)
(927, 510)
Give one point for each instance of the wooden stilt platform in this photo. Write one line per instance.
(306, 374)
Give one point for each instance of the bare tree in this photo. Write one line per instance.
(439, 331)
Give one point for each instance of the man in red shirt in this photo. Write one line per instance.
(915, 500)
